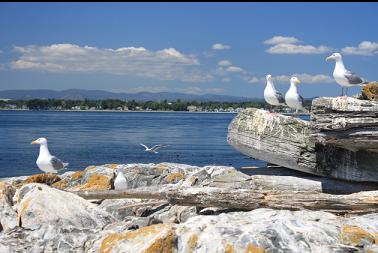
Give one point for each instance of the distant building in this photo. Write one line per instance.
(192, 108)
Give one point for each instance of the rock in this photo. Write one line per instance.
(266, 230)
(8, 216)
(154, 238)
(40, 205)
(46, 178)
(370, 91)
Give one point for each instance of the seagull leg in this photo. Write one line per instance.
(342, 91)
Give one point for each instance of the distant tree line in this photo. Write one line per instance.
(116, 104)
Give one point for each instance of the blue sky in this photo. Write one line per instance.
(222, 48)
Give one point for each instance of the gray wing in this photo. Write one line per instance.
(156, 147)
(353, 78)
(301, 100)
(57, 163)
(280, 97)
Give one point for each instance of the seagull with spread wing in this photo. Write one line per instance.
(47, 162)
(153, 149)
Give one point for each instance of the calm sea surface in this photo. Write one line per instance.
(94, 138)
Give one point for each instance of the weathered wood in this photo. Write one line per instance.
(343, 148)
(247, 199)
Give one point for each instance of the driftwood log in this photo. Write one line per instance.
(340, 141)
(248, 199)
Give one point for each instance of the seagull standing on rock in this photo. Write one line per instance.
(153, 149)
(271, 95)
(47, 162)
(292, 98)
(342, 76)
(120, 182)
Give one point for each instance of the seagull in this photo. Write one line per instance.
(342, 76)
(153, 149)
(120, 182)
(47, 162)
(292, 98)
(271, 95)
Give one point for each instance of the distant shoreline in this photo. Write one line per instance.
(120, 111)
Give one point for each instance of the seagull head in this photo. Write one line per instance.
(334, 56)
(40, 141)
(295, 80)
(268, 78)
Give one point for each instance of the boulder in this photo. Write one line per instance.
(8, 216)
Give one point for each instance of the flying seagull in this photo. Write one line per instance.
(342, 76)
(153, 149)
(120, 182)
(271, 95)
(47, 162)
(292, 98)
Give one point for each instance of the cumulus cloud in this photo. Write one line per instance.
(254, 80)
(187, 90)
(367, 48)
(234, 69)
(165, 64)
(297, 49)
(226, 80)
(219, 46)
(305, 78)
(224, 63)
(281, 40)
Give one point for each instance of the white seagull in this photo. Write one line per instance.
(120, 182)
(153, 149)
(342, 76)
(47, 162)
(271, 95)
(292, 98)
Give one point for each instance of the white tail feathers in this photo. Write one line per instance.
(65, 165)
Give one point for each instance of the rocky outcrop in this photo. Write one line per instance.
(41, 218)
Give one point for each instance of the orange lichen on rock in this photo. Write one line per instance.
(163, 243)
(48, 179)
(370, 91)
(22, 210)
(112, 166)
(355, 235)
(229, 249)
(174, 177)
(96, 182)
(192, 242)
(251, 248)
(62, 184)
(77, 175)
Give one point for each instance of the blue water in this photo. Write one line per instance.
(94, 138)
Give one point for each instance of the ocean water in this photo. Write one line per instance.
(94, 138)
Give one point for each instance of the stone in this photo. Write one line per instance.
(46, 178)
(151, 239)
(370, 91)
(8, 216)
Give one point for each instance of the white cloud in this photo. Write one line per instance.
(305, 78)
(219, 46)
(165, 64)
(224, 63)
(234, 69)
(187, 90)
(297, 49)
(254, 80)
(199, 90)
(367, 48)
(281, 40)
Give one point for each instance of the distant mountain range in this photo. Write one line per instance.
(76, 94)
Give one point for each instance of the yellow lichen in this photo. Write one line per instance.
(192, 242)
(42, 179)
(229, 249)
(89, 168)
(62, 184)
(354, 235)
(174, 177)
(251, 248)
(163, 244)
(77, 175)
(22, 210)
(370, 91)
(96, 182)
(112, 166)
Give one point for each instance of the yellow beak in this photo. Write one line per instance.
(329, 58)
(298, 81)
(34, 142)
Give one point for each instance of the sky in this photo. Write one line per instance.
(197, 48)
